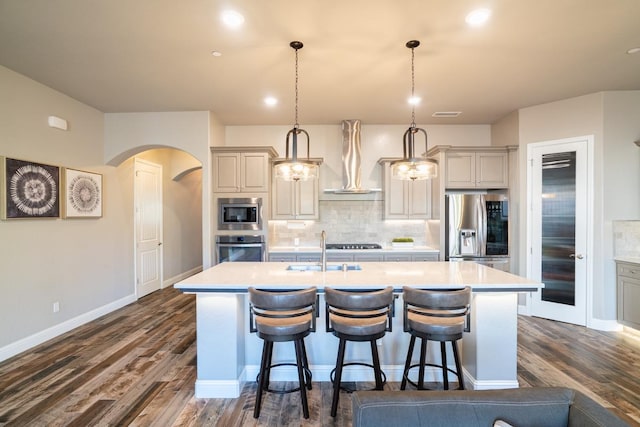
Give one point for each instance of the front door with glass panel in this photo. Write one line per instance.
(558, 197)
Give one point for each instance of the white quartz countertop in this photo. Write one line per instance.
(317, 249)
(235, 277)
(631, 259)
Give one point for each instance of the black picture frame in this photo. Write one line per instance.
(28, 189)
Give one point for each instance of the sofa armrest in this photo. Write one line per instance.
(585, 411)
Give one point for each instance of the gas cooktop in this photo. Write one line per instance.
(353, 246)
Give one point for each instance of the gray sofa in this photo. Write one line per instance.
(522, 407)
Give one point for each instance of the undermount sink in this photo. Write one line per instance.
(318, 267)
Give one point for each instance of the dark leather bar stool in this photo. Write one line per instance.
(357, 316)
(280, 316)
(435, 315)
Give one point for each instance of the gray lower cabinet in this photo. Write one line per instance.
(628, 278)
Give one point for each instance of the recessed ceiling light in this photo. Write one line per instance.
(270, 101)
(478, 17)
(414, 100)
(232, 19)
(633, 50)
(216, 53)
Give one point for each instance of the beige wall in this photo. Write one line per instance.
(84, 265)
(612, 117)
(87, 266)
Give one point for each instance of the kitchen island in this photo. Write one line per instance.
(229, 355)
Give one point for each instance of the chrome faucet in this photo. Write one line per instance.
(323, 246)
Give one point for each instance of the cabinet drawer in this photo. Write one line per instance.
(397, 257)
(628, 270)
(424, 257)
(282, 258)
(308, 258)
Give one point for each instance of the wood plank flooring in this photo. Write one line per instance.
(136, 366)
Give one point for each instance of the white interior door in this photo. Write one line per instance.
(560, 240)
(148, 226)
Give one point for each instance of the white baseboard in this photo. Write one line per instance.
(61, 328)
(175, 279)
(604, 325)
(207, 389)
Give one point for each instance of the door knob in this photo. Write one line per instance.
(579, 256)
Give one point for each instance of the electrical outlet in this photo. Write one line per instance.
(56, 307)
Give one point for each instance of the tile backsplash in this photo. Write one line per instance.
(626, 238)
(354, 221)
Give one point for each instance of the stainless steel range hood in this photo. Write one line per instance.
(351, 161)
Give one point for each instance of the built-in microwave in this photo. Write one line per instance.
(240, 213)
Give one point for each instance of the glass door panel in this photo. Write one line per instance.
(558, 227)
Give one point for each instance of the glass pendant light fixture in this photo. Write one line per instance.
(292, 168)
(412, 167)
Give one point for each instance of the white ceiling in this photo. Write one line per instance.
(154, 55)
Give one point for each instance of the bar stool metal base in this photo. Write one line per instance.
(421, 365)
(368, 365)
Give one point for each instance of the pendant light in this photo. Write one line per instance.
(292, 168)
(412, 167)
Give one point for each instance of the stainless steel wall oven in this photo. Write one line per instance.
(236, 248)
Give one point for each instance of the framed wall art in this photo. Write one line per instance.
(28, 189)
(82, 194)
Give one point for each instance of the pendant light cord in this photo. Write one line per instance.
(413, 99)
(296, 124)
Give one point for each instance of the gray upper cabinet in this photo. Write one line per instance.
(473, 167)
(295, 199)
(405, 199)
(242, 169)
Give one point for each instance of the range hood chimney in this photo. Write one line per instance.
(351, 162)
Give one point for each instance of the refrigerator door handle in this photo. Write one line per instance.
(482, 238)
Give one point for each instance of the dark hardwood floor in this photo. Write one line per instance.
(136, 366)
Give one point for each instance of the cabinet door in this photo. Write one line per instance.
(282, 201)
(226, 172)
(306, 199)
(294, 200)
(628, 297)
(460, 170)
(419, 199)
(492, 170)
(255, 172)
(395, 196)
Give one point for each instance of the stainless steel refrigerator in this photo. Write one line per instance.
(477, 228)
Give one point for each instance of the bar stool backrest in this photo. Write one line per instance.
(453, 303)
(351, 304)
(282, 304)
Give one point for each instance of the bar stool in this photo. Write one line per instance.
(357, 316)
(435, 315)
(280, 316)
